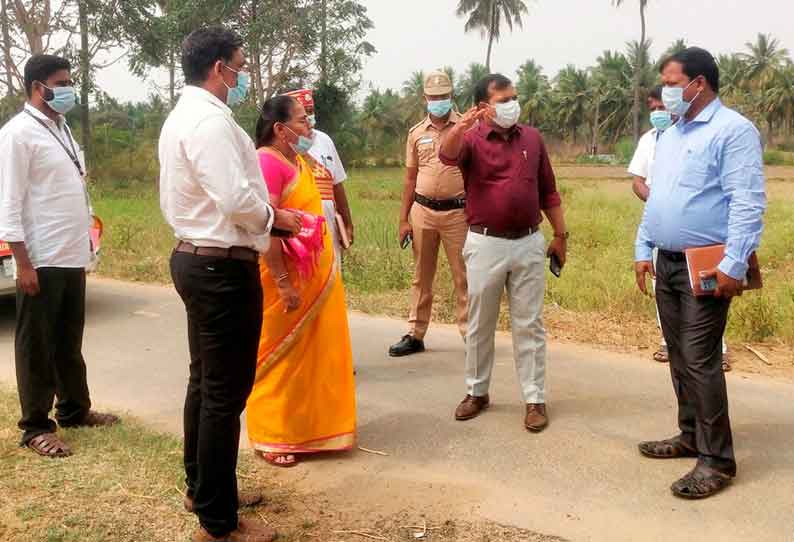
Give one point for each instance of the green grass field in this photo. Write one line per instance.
(595, 301)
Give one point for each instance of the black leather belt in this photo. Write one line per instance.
(235, 253)
(440, 204)
(673, 256)
(507, 234)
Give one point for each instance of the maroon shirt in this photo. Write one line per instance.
(507, 182)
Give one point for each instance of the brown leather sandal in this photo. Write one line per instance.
(666, 449)
(700, 483)
(49, 445)
(661, 355)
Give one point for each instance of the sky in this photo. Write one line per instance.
(413, 35)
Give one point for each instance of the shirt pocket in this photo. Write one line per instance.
(698, 165)
(426, 149)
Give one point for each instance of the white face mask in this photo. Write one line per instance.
(673, 99)
(507, 113)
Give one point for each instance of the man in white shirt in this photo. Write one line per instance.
(330, 174)
(214, 197)
(640, 168)
(45, 218)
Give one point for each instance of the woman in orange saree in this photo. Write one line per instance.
(303, 399)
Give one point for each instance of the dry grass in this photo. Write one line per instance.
(124, 485)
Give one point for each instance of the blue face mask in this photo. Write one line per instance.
(63, 99)
(439, 108)
(237, 94)
(303, 145)
(661, 120)
(673, 99)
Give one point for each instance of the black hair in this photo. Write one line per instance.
(482, 91)
(42, 67)
(695, 62)
(203, 48)
(656, 92)
(277, 109)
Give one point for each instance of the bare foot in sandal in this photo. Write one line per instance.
(284, 461)
(49, 445)
(661, 355)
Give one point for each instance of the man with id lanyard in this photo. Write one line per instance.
(45, 217)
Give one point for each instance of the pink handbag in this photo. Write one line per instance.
(304, 248)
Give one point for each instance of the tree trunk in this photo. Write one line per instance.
(171, 76)
(596, 121)
(491, 34)
(635, 113)
(7, 61)
(324, 43)
(85, 78)
(256, 58)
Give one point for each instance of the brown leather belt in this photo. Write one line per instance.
(508, 234)
(235, 253)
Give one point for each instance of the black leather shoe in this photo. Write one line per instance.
(408, 345)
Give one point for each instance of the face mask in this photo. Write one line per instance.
(303, 145)
(439, 108)
(312, 120)
(63, 99)
(507, 113)
(237, 94)
(673, 99)
(661, 120)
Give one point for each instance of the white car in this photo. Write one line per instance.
(8, 284)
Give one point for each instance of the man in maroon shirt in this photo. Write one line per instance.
(509, 182)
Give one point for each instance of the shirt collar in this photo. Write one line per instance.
(41, 116)
(454, 117)
(707, 114)
(192, 92)
(486, 129)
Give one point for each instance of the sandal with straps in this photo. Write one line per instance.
(49, 445)
(666, 449)
(279, 460)
(700, 483)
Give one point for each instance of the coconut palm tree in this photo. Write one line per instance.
(413, 92)
(473, 74)
(765, 58)
(486, 16)
(638, 73)
(572, 89)
(532, 87)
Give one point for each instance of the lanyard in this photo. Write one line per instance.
(72, 154)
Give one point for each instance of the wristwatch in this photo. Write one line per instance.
(564, 235)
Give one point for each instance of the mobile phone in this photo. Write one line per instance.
(275, 232)
(554, 265)
(406, 241)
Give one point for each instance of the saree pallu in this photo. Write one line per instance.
(304, 395)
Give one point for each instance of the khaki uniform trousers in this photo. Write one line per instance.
(429, 229)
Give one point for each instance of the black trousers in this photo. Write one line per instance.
(48, 352)
(693, 328)
(223, 299)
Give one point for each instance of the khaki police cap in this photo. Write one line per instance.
(437, 83)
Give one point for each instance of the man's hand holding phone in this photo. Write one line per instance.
(406, 234)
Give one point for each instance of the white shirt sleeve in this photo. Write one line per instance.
(337, 169)
(642, 157)
(218, 167)
(14, 183)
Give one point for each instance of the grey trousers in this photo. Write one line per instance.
(494, 265)
(693, 328)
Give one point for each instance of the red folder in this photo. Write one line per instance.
(706, 258)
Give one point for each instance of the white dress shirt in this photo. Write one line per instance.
(642, 163)
(212, 192)
(43, 198)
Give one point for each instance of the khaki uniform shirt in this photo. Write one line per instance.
(434, 180)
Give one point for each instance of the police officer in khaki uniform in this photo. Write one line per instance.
(432, 213)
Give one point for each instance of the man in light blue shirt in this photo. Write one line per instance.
(708, 190)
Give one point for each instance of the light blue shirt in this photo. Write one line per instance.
(708, 189)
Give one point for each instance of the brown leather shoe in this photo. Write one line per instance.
(536, 420)
(244, 498)
(247, 531)
(471, 407)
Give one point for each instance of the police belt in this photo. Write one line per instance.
(440, 204)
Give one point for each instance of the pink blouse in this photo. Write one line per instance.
(277, 173)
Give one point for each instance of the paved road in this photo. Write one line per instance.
(581, 479)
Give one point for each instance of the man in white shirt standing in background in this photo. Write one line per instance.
(214, 197)
(45, 218)
(641, 167)
(330, 176)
